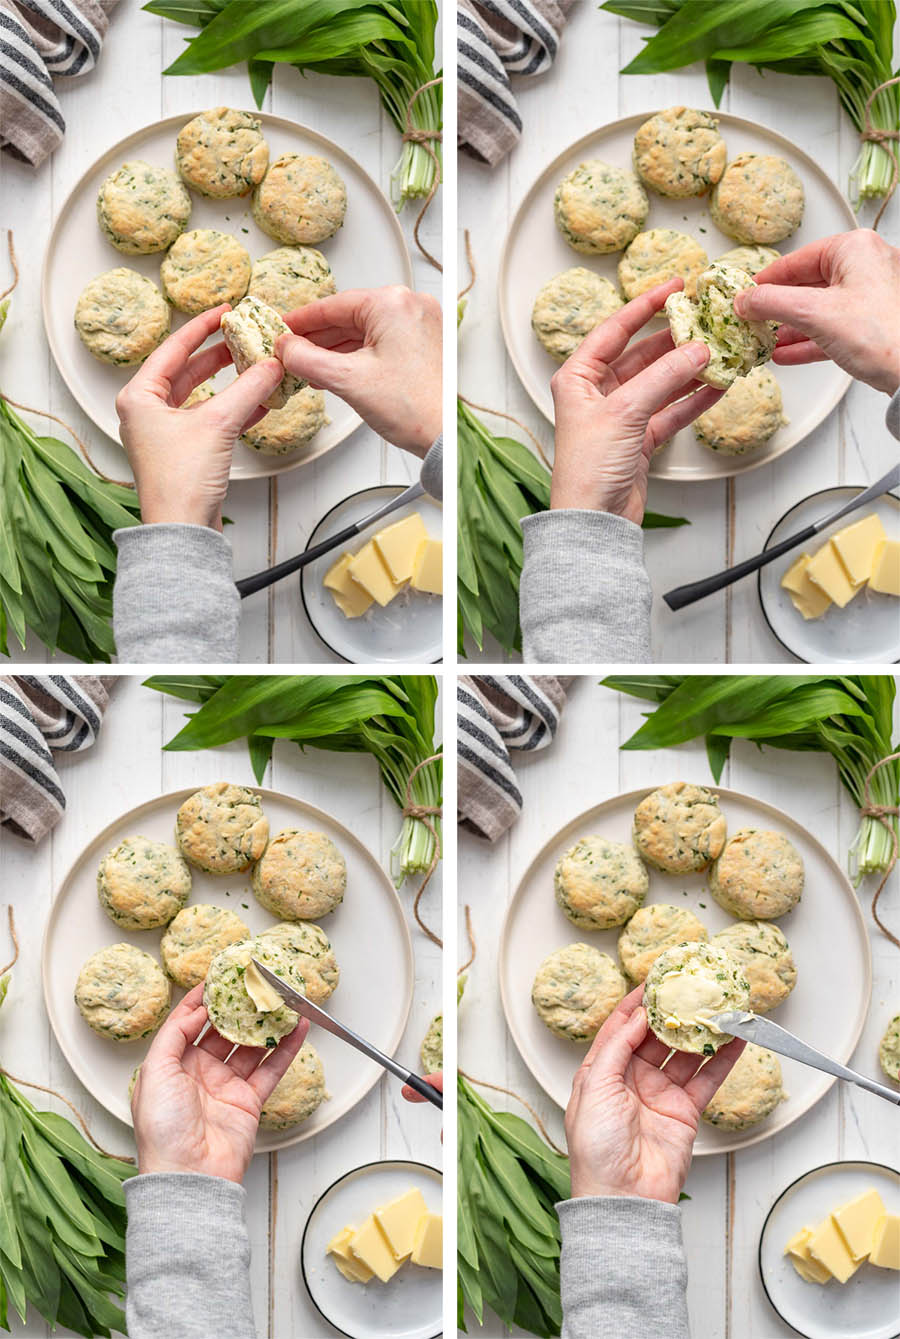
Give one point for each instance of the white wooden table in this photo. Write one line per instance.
(730, 1195)
(729, 520)
(126, 91)
(124, 768)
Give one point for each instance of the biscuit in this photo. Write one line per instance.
(203, 269)
(651, 931)
(121, 993)
(658, 255)
(431, 1053)
(301, 877)
(679, 828)
(686, 986)
(758, 876)
(300, 199)
(736, 346)
(600, 209)
(766, 958)
(889, 1049)
(679, 152)
(121, 317)
(599, 883)
(750, 1093)
(298, 1094)
(291, 277)
(750, 259)
(575, 990)
(222, 829)
(142, 209)
(288, 429)
(570, 306)
(222, 153)
(314, 971)
(758, 198)
(250, 332)
(232, 1011)
(749, 413)
(193, 939)
(142, 883)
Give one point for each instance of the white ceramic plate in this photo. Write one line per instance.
(409, 1306)
(370, 913)
(867, 1306)
(406, 631)
(827, 1007)
(535, 251)
(867, 630)
(367, 252)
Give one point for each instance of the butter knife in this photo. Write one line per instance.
(306, 1009)
(762, 1031)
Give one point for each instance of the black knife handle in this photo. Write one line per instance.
(698, 590)
(259, 581)
(426, 1090)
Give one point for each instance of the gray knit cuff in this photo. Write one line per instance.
(432, 475)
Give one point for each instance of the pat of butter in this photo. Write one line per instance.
(398, 544)
(339, 1246)
(856, 1222)
(826, 571)
(369, 1246)
(429, 1241)
(886, 570)
(685, 998)
(857, 545)
(263, 995)
(886, 1245)
(398, 1220)
(806, 598)
(347, 594)
(797, 1251)
(367, 568)
(827, 1246)
(428, 572)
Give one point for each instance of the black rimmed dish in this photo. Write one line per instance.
(409, 1306)
(865, 631)
(408, 630)
(867, 1306)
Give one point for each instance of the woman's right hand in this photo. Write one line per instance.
(839, 298)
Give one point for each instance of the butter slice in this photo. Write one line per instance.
(398, 1220)
(886, 569)
(856, 1222)
(347, 594)
(428, 1246)
(367, 568)
(807, 598)
(263, 995)
(353, 1270)
(827, 1246)
(428, 571)
(886, 1245)
(857, 545)
(797, 1250)
(398, 543)
(369, 1246)
(826, 571)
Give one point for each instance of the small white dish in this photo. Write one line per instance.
(406, 631)
(409, 1306)
(867, 1306)
(867, 630)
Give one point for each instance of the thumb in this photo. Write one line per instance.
(323, 368)
(614, 1057)
(779, 302)
(236, 402)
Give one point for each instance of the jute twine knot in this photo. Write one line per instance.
(424, 813)
(416, 135)
(875, 135)
(883, 813)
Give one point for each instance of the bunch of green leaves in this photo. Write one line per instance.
(389, 716)
(391, 43)
(62, 1220)
(847, 41)
(57, 556)
(500, 481)
(849, 716)
(508, 1243)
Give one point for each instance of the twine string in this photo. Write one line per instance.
(882, 813)
(485, 409)
(15, 942)
(470, 261)
(425, 138)
(14, 263)
(45, 413)
(472, 945)
(483, 1083)
(876, 135)
(424, 813)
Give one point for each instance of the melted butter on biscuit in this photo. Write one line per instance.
(685, 999)
(263, 995)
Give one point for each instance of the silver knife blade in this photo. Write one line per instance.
(763, 1032)
(875, 490)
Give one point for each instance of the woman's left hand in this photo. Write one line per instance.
(193, 1112)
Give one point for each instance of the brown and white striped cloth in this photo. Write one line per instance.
(497, 714)
(41, 40)
(41, 715)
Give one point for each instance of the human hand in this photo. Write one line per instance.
(378, 349)
(181, 457)
(192, 1111)
(410, 1094)
(839, 298)
(615, 405)
(631, 1125)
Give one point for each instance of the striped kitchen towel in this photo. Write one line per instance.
(496, 39)
(41, 715)
(497, 713)
(40, 40)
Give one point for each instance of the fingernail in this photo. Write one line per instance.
(740, 301)
(699, 351)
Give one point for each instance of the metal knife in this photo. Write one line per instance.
(260, 580)
(698, 590)
(306, 1009)
(739, 1023)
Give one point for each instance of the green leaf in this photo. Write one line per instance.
(260, 747)
(697, 31)
(703, 702)
(241, 31)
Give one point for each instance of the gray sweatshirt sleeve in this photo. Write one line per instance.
(584, 596)
(623, 1270)
(187, 1258)
(892, 417)
(432, 475)
(174, 598)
